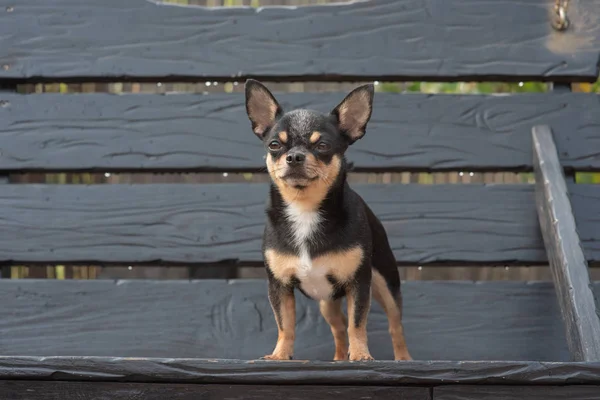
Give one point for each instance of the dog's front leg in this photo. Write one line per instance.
(359, 303)
(283, 303)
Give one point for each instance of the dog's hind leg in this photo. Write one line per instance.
(392, 305)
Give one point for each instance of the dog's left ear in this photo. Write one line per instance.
(354, 112)
(261, 106)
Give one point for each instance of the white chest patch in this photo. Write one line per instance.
(313, 278)
(304, 224)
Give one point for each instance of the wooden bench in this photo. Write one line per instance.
(182, 339)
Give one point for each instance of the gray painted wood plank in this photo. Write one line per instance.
(565, 253)
(4, 269)
(423, 39)
(380, 373)
(187, 223)
(583, 199)
(480, 392)
(596, 290)
(233, 319)
(21, 390)
(212, 132)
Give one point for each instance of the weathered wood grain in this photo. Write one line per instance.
(565, 254)
(583, 197)
(212, 132)
(188, 224)
(375, 373)
(220, 319)
(415, 40)
(481, 392)
(596, 291)
(4, 269)
(21, 390)
(185, 223)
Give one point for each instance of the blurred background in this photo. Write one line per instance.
(230, 271)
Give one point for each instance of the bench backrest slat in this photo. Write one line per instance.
(184, 223)
(378, 39)
(139, 40)
(213, 133)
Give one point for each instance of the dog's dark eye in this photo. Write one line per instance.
(274, 145)
(323, 146)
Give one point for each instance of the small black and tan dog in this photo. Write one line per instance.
(320, 236)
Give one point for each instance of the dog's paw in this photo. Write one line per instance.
(277, 357)
(340, 357)
(360, 357)
(404, 357)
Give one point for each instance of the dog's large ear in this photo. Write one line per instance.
(261, 106)
(354, 112)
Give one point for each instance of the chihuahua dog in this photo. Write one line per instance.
(320, 236)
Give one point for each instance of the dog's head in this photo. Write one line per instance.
(305, 148)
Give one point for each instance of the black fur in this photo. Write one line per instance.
(346, 222)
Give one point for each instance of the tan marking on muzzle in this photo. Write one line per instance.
(310, 197)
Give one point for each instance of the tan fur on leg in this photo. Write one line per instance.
(393, 310)
(332, 312)
(357, 333)
(284, 350)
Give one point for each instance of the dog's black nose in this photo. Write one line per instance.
(295, 158)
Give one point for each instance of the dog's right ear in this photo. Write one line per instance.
(262, 108)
